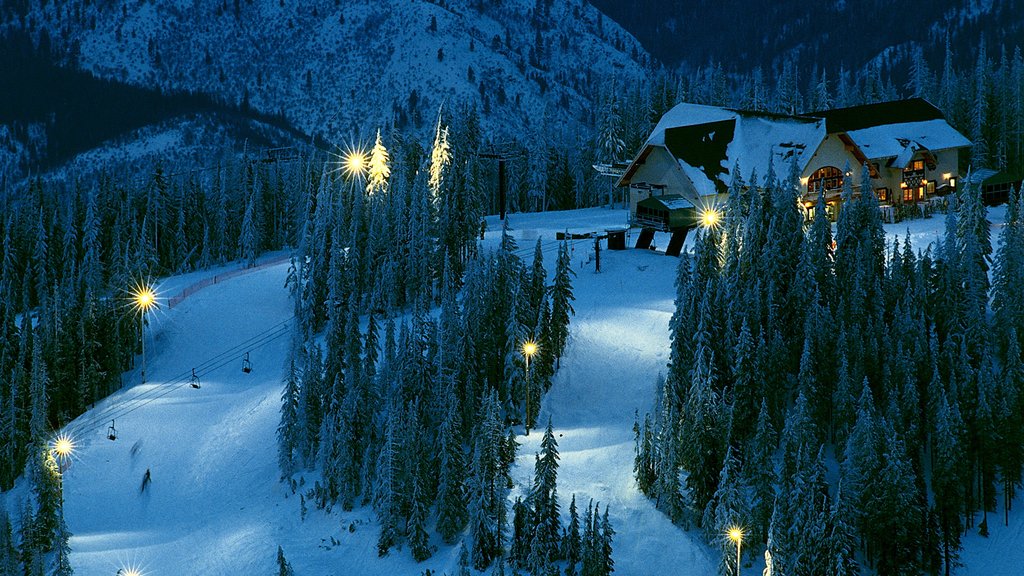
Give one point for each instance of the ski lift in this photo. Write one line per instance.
(111, 431)
(246, 365)
(195, 380)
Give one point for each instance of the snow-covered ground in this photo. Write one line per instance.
(215, 505)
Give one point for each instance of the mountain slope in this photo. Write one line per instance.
(340, 69)
(829, 34)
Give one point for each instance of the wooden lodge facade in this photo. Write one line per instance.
(911, 152)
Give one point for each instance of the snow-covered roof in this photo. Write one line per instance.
(890, 140)
(760, 139)
(676, 202)
(979, 175)
(687, 115)
(707, 141)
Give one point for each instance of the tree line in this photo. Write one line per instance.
(409, 366)
(793, 349)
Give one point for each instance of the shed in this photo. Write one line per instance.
(666, 213)
(616, 238)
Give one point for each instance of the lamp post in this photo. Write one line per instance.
(144, 299)
(736, 535)
(62, 447)
(528, 350)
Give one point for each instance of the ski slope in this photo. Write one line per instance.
(215, 505)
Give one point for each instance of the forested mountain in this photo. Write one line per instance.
(339, 70)
(829, 35)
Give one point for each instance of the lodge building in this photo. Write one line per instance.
(911, 152)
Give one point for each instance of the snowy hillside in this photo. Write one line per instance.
(215, 505)
(343, 68)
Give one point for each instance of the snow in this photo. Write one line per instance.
(757, 140)
(890, 139)
(215, 505)
(686, 114)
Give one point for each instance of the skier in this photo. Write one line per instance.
(146, 479)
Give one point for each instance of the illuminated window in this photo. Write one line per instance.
(829, 177)
(883, 194)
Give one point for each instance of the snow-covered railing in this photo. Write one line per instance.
(196, 287)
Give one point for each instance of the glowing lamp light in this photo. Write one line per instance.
(129, 571)
(804, 180)
(735, 534)
(529, 348)
(144, 298)
(355, 163)
(710, 218)
(947, 175)
(63, 446)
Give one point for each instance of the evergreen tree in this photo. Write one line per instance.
(607, 565)
(63, 548)
(289, 429)
(8, 548)
(248, 242)
(561, 302)
(571, 539)
(284, 568)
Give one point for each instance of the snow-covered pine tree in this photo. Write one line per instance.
(544, 497)
(289, 428)
(842, 540)
(702, 444)
(947, 480)
(419, 539)
(1008, 268)
(284, 568)
(728, 509)
(519, 546)
(561, 302)
(385, 497)
(248, 241)
(62, 538)
(571, 538)
(894, 510)
(451, 492)
(759, 474)
(313, 390)
(46, 485)
(40, 384)
(8, 547)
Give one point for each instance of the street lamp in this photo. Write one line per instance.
(736, 535)
(63, 448)
(144, 298)
(528, 350)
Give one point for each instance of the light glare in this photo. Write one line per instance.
(529, 348)
(355, 163)
(710, 218)
(63, 446)
(143, 298)
(735, 534)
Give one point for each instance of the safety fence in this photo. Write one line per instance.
(196, 287)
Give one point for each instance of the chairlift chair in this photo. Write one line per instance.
(246, 365)
(195, 380)
(111, 431)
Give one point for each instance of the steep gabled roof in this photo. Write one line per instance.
(707, 141)
(890, 140)
(871, 115)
